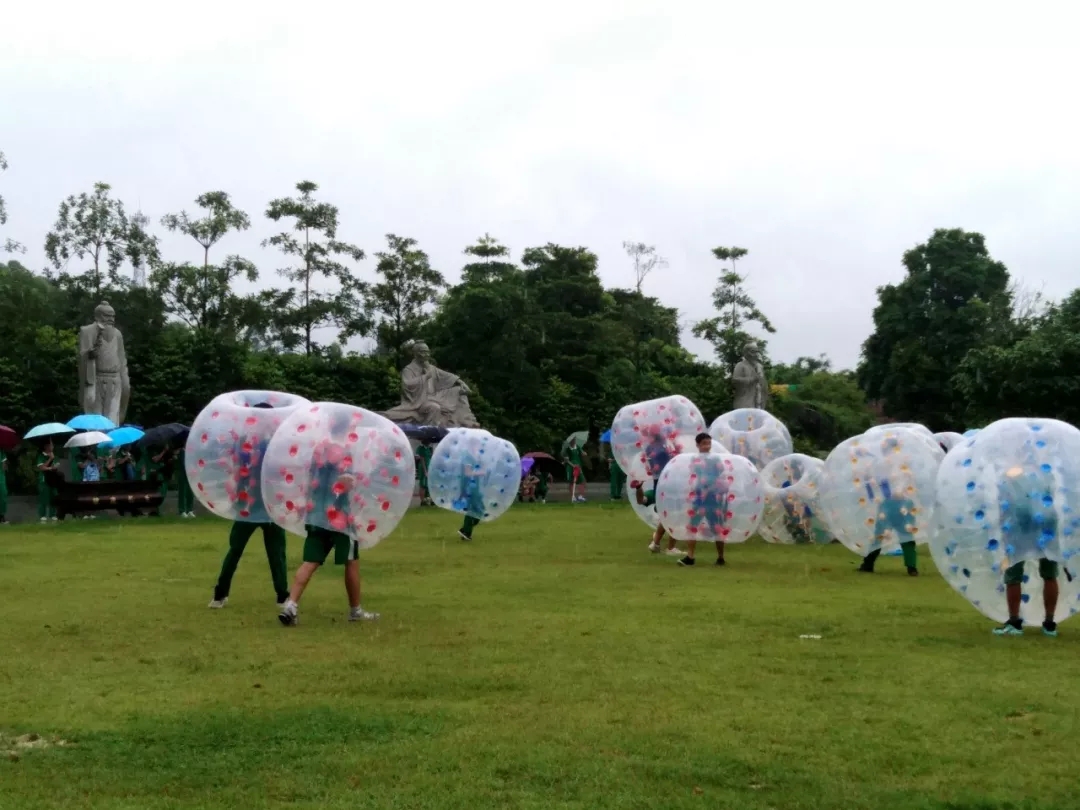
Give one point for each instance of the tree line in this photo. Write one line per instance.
(546, 348)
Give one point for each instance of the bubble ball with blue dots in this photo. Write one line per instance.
(474, 473)
(1010, 494)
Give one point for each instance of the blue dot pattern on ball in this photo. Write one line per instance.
(471, 481)
(1005, 497)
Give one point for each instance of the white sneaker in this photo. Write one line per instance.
(673, 552)
(358, 614)
(191, 514)
(218, 603)
(654, 548)
(55, 518)
(45, 520)
(288, 615)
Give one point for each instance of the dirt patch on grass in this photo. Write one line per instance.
(14, 746)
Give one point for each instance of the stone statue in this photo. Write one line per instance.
(748, 379)
(431, 396)
(103, 373)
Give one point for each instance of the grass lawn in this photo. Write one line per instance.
(551, 663)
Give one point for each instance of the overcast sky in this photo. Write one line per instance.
(826, 138)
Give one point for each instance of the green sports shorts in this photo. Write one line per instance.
(320, 542)
(1014, 574)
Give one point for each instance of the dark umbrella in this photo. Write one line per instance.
(424, 433)
(545, 463)
(171, 435)
(8, 438)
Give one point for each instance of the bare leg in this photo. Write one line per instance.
(1050, 598)
(1012, 599)
(352, 582)
(719, 549)
(303, 577)
(690, 546)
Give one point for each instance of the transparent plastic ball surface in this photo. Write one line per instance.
(1006, 495)
(877, 490)
(947, 440)
(224, 454)
(792, 504)
(923, 430)
(474, 473)
(710, 496)
(341, 468)
(647, 513)
(752, 433)
(645, 436)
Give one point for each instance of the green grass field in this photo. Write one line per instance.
(551, 663)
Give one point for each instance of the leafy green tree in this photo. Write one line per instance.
(97, 226)
(400, 304)
(313, 243)
(726, 332)
(10, 245)
(954, 298)
(795, 373)
(645, 259)
(203, 297)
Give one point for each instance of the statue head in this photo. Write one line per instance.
(421, 353)
(105, 318)
(751, 352)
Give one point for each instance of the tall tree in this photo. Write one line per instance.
(954, 298)
(737, 309)
(203, 297)
(97, 226)
(400, 303)
(645, 259)
(10, 245)
(314, 244)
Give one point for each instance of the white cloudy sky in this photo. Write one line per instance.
(825, 137)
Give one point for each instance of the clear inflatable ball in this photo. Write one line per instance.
(710, 496)
(645, 436)
(1010, 496)
(474, 473)
(341, 468)
(752, 433)
(647, 514)
(224, 454)
(877, 490)
(792, 504)
(947, 440)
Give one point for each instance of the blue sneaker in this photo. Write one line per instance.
(1050, 629)
(1009, 629)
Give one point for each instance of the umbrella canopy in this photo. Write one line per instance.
(582, 436)
(48, 429)
(91, 421)
(172, 434)
(526, 465)
(122, 436)
(88, 439)
(539, 455)
(424, 433)
(544, 463)
(8, 438)
(606, 436)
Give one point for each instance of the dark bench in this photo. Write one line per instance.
(126, 497)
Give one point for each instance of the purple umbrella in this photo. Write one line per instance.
(526, 465)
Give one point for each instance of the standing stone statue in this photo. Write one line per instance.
(748, 379)
(431, 396)
(103, 374)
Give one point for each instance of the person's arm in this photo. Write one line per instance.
(639, 493)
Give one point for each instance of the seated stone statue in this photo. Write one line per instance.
(431, 396)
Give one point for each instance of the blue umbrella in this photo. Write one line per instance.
(91, 421)
(122, 436)
(48, 429)
(606, 436)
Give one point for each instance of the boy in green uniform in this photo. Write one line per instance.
(154, 465)
(618, 479)
(46, 462)
(185, 497)
(573, 471)
(542, 486)
(649, 499)
(317, 547)
(423, 464)
(3, 487)
(895, 516)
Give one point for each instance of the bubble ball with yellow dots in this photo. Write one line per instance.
(792, 501)
(1006, 495)
(877, 489)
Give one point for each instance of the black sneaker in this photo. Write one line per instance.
(464, 536)
(913, 572)
(686, 561)
(1050, 629)
(862, 569)
(720, 561)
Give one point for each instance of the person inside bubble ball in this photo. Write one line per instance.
(470, 500)
(709, 498)
(657, 455)
(332, 483)
(895, 515)
(247, 465)
(1027, 529)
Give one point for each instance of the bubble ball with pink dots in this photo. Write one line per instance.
(1010, 495)
(645, 436)
(792, 505)
(474, 473)
(710, 496)
(752, 433)
(341, 468)
(226, 447)
(877, 489)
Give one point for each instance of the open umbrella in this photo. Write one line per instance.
(606, 436)
(88, 439)
(170, 435)
(545, 463)
(48, 429)
(526, 465)
(582, 436)
(122, 436)
(8, 438)
(424, 433)
(91, 421)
